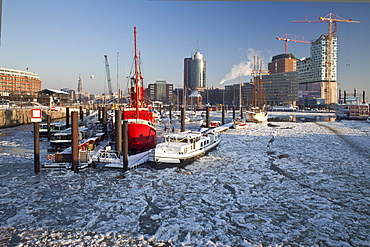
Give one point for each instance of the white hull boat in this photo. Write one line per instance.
(239, 124)
(109, 158)
(180, 149)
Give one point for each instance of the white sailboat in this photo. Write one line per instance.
(240, 123)
(258, 112)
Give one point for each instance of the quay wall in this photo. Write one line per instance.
(15, 117)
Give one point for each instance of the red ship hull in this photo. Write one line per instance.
(142, 132)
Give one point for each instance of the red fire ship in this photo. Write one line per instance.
(140, 116)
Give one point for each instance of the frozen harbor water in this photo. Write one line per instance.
(297, 184)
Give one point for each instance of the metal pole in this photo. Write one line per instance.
(36, 144)
(241, 112)
(207, 117)
(75, 141)
(118, 127)
(125, 145)
(233, 111)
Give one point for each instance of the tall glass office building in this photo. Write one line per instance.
(195, 72)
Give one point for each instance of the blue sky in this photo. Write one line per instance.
(60, 39)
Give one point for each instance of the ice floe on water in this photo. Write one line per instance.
(297, 184)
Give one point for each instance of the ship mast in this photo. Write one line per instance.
(137, 75)
(137, 89)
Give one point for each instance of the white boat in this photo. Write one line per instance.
(212, 124)
(256, 117)
(239, 124)
(55, 127)
(368, 119)
(63, 139)
(258, 113)
(352, 111)
(105, 156)
(180, 149)
(288, 107)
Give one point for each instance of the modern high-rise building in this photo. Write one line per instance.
(281, 85)
(317, 75)
(195, 72)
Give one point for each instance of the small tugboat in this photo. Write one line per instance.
(180, 149)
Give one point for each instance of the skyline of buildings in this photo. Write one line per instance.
(290, 80)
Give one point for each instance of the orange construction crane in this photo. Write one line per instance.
(293, 38)
(332, 19)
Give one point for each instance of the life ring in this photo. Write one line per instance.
(50, 157)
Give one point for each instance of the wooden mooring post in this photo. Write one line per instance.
(125, 145)
(75, 162)
(48, 121)
(118, 130)
(81, 114)
(36, 144)
(182, 118)
(104, 120)
(67, 117)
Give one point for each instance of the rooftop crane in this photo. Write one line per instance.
(108, 75)
(293, 38)
(330, 18)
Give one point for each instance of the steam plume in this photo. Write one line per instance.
(243, 68)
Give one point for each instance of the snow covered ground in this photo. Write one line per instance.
(297, 184)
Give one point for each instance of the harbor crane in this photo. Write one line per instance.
(293, 38)
(108, 76)
(332, 32)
